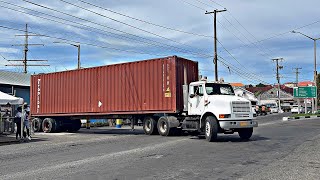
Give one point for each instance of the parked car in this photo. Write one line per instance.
(274, 109)
(296, 108)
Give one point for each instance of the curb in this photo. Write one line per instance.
(300, 117)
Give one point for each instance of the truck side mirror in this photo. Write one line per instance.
(192, 95)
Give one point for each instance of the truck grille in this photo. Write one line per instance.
(240, 107)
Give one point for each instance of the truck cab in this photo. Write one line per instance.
(219, 110)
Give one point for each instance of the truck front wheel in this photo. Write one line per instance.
(245, 133)
(211, 128)
(150, 126)
(164, 127)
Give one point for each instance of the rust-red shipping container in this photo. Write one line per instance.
(141, 87)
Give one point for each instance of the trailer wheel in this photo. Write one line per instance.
(36, 124)
(76, 125)
(164, 128)
(211, 128)
(49, 125)
(245, 133)
(150, 126)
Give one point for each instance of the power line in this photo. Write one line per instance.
(144, 21)
(217, 3)
(126, 24)
(192, 5)
(94, 45)
(248, 75)
(215, 40)
(26, 49)
(155, 43)
(297, 74)
(235, 58)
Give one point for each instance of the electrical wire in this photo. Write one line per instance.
(155, 43)
(144, 21)
(112, 19)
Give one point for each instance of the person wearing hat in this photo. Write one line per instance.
(26, 123)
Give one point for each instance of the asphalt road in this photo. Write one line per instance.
(277, 150)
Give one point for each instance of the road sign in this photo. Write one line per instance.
(305, 92)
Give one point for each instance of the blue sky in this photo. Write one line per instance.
(252, 32)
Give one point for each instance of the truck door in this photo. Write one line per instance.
(196, 100)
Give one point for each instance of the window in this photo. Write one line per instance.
(214, 89)
(198, 90)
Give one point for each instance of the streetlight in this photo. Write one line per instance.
(315, 63)
(75, 45)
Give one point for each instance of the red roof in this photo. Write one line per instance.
(306, 83)
(237, 84)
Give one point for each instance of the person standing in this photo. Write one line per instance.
(17, 120)
(6, 117)
(26, 125)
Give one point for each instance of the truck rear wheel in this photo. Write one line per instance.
(211, 128)
(76, 125)
(37, 124)
(49, 125)
(150, 126)
(245, 133)
(164, 128)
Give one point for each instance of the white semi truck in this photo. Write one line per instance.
(213, 108)
(164, 93)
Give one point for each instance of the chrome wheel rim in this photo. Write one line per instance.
(208, 129)
(163, 127)
(148, 125)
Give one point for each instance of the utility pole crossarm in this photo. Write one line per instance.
(28, 45)
(25, 56)
(29, 60)
(216, 11)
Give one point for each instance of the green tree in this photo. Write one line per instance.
(260, 85)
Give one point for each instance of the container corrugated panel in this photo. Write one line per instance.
(149, 86)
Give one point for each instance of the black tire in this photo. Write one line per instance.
(37, 124)
(49, 125)
(150, 126)
(245, 133)
(164, 128)
(76, 125)
(211, 128)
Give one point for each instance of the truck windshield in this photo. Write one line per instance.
(223, 89)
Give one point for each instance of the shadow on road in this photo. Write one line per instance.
(233, 138)
(112, 131)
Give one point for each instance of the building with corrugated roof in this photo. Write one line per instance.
(17, 84)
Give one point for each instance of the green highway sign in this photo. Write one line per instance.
(305, 92)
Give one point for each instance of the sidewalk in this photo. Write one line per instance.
(8, 139)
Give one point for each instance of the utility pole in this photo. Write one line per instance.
(297, 75)
(215, 61)
(278, 78)
(75, 45)
(25, 55)
(315, 101)
(297, 81)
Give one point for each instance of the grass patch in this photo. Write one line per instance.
(307, 115)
